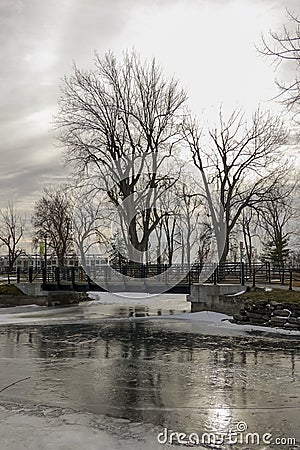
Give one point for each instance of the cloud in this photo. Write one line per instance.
(208, 45)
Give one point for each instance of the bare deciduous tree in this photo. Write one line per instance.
(285, 46)
(275, 218)
(249, 224)
(204, 242)
(191, 220)
(121, 121)
(243, 161)
(11, 232)
(52, 218)
(182, 229)
(91, 222)
(167, 229)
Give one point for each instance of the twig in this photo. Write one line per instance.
(19, 381)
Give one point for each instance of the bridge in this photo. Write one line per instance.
(152, 278)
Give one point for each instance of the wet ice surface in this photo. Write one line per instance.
(100, 382)
(51, 428)
(102, 305)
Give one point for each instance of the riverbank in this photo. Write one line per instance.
(270, 294)
(10, 296)
(270, 308)
(10, 289)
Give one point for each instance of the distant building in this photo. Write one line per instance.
(37, 261)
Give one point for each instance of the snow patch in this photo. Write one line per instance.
(222, 322)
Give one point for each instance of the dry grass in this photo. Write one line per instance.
(276, 295)
(9, 289)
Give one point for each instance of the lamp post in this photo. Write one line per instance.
(45, 252)
(242, 267)
(241, 251)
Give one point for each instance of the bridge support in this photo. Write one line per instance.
(218, 298)
(48, 298)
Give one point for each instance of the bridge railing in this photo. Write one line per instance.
(181, 274)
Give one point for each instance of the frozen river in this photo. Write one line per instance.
(113, 373)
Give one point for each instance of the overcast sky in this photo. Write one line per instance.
(209, 45)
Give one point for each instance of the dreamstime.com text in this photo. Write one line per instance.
(238, 435)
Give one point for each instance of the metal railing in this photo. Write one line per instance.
(177, 274)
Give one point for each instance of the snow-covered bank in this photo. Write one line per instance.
(220, 324)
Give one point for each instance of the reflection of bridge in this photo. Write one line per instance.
(156, 278)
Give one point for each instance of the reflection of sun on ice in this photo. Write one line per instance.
(219, 419)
